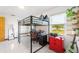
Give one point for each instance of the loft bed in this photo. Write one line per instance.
(32, 21)
(35, 21)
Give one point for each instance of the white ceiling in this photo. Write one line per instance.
(32, 10)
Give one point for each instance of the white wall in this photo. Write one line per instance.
(8, 21)
(24, 29)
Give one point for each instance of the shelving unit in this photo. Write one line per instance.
(73, 21)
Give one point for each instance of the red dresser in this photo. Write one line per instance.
(56, 44)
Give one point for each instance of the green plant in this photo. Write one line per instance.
(70, 12)
(58, 26)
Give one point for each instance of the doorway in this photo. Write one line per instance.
(2, 28)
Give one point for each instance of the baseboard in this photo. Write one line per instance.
(8, 39)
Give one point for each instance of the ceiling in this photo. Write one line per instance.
(32, 10)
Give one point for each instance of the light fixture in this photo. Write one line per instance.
(13, 15)
(21, 7)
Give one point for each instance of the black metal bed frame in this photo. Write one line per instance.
(31, 23)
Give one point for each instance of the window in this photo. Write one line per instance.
(57, 23)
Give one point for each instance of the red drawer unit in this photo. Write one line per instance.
(51, 40)
(56, 44)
